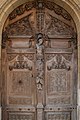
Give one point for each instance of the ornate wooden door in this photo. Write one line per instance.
(39, 63)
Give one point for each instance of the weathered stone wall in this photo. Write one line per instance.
(72, 6)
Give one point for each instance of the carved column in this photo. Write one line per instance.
(40, 58)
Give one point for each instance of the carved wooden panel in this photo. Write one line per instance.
(21, 116)
(59, 79)
(39, 62)
(58, 116)
(20, 77)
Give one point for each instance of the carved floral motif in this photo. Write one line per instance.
(59, 100)
(59, 116)
(21, 63)
(57, 27)
(21, 27)
(20, 117)
(58, 62)
(58, 82)
(11, 56)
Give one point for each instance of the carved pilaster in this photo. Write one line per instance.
(40, 74)
(39, 61)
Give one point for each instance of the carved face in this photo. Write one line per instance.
(40, 41)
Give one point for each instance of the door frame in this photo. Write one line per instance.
(8, 7)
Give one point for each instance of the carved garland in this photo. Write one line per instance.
(48, 4)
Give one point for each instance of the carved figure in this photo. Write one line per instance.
(39, 62)
(39, 44)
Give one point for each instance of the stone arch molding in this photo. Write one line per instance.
(72, 6)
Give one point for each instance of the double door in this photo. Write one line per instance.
(39, 65)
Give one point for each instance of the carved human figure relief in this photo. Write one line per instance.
(39, 60)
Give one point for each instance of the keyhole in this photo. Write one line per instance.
(20, 82)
